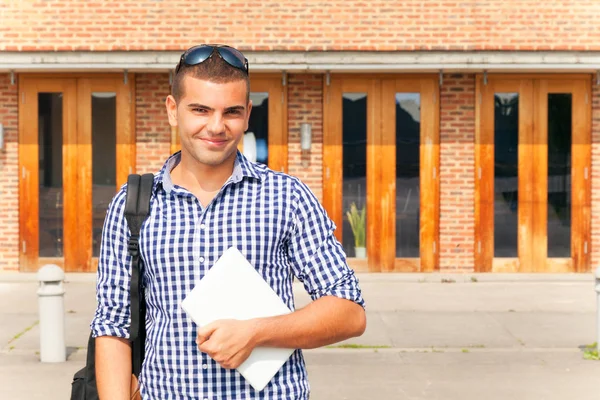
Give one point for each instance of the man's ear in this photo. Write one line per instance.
(171, 105)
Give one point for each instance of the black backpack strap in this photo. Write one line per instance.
(137, 208)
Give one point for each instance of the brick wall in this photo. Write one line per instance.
(595, 177)
(9, 177)
(457, 169)
(152, 125)
(305, 104)
(64, 25)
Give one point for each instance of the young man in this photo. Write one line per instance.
(207, 198)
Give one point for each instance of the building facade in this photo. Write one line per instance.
(469, 132)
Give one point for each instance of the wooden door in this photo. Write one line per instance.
(522, 123)
(408, 178)
(73, 130)
(351, 143)
(382, 135)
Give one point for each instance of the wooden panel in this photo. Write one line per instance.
(527, 159)
(407, 265)
(539, 179)
(484, 179)
(70, 178)
(84, 182)
(28, 176)
(581, 157)
(429, 182)
(558, 265)
(332, 154)
(126, 137)
(375, 209)
(385, 177)
(505, 265)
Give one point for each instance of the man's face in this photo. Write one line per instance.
(212, 118)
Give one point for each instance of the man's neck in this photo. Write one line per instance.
(195, 176)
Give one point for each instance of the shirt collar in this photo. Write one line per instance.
(241, 168)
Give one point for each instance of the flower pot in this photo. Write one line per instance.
(360, 252)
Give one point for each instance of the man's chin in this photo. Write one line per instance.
(214, 158)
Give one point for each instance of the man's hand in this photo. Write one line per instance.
(228, 342)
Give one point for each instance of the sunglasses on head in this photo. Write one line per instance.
(198, 54)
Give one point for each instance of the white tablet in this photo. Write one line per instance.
(233, 289)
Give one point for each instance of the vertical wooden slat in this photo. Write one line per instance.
(537, 182)
(527, 199)
(436, 162)
(277, 132)
(84, 178)
(581, 160)
(484, 177)
(385, 180)
(376, 203)
(332, 154)
(70, 178)
(28, 176)
(428, 176)
(126, 141)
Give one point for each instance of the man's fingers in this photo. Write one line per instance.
(205, 332)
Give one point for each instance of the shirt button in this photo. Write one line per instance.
(202, 226)
(201, 259)
(204, 366)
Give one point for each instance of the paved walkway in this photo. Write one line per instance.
(477, 336)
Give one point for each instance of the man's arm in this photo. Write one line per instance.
(113, 368)
(111, 322)
(325, 321)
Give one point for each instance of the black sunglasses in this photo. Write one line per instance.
(198, 54)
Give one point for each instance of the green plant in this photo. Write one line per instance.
(590, 352)
(357, 221)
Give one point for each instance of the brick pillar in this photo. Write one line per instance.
(305, 104)
(9, 178)
(457, 173)
(153, 132)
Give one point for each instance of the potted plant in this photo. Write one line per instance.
(357, 221)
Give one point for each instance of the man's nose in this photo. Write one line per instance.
(216, 124)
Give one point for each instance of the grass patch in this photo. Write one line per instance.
(357, 346)
(465, 350)
(24, 331)
(448, 280)
(474, 279)
(590, 352)
(477, 346)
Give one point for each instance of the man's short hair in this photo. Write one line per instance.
(214, 69)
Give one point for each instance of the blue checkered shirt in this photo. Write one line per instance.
(272, 218)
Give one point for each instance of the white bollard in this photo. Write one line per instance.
(598, 309)
(52, 314)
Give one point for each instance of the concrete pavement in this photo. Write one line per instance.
(493, 337)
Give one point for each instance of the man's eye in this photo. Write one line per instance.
(233, 112)
(199, 110)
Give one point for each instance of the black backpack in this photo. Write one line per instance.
(137, 208)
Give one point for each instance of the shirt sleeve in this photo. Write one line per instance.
(112, 317)
(317, 257)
